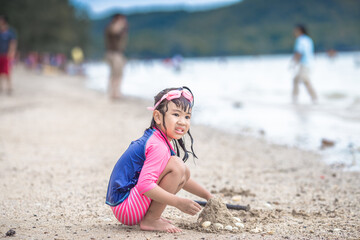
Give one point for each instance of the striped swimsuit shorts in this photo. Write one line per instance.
(133, 209)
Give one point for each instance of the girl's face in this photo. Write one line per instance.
(177, 121)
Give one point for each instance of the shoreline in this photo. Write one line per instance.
(260, 106)
(59, 142)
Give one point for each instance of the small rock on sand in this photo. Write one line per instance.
(236, 198)
(218, 226)
(206, 224)
(10, 233)
(268, 205)
(229, 228)
(239, 224)
(325, 143)
(256, 230)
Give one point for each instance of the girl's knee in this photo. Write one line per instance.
(187, 173)
(177, 166)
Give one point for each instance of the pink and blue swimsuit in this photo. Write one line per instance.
(135, 173)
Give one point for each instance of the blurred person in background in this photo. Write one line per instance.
(7, 52)
(115, 43)
(76, 67)
(303, 57)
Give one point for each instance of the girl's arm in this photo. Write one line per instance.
(183, 204)
(193, 187)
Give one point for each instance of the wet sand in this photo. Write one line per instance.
(59, 142)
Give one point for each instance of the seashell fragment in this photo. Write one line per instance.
(229, 228)
(236, 198)
(268, 205)
(256, 230)
(235, 228)
(206, 224)
(239, 224)
(237, 219)
(218, 226)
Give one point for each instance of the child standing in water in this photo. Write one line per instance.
(148, 175)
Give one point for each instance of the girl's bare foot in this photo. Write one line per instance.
(166, 220)
(158, 225)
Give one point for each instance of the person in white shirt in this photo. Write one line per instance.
(303, 57)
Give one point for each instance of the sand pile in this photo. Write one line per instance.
(215, 216)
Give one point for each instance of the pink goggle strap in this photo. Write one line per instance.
(173, 94)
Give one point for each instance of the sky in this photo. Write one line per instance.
(97, 8)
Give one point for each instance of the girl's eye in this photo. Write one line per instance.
(176, 114)
(188, 117)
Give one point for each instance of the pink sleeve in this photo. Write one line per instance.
(157, 156)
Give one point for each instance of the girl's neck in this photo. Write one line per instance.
(168, 142)
(163, 133)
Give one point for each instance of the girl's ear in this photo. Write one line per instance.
(157, 117)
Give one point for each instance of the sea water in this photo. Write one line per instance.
(252, 95)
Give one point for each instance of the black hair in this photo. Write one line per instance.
(186, 106)
(302, 28)
(117, 16)
(4, 18)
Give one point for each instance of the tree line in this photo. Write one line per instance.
(53, 26)
(246, 28)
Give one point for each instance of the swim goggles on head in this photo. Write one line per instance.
(173, 94)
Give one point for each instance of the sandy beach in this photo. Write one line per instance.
(59, 142)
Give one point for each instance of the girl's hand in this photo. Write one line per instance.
(188, 206)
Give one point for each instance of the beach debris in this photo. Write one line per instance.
(268, 205)
(237, 219)
(228, 227)
(256, 230)
(218, 226)
(236, 198)
(206, 224)
(10, 233)
(239, 224)
(326, 143)
(235, 228)
(337, 229)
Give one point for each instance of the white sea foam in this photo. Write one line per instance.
(252, 95)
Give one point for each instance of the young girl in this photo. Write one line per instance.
(148, 175)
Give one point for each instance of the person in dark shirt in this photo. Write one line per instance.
(115, 42)
(7, 52)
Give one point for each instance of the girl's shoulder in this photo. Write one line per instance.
(156, 142)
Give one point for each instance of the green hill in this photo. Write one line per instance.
(248, 27)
